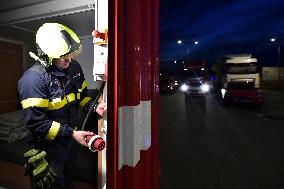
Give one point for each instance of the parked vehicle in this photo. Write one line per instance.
(243, 92)
(238, 78)
(167, 84)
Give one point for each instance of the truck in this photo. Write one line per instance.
(194, 78)
(238, 79)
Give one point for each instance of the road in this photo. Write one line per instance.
(204, 145)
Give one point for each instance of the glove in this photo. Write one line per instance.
(41, 174)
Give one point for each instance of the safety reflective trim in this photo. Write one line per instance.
(84, 85)
(34, 102)
(52, 133)
(70, 97)
(78, 96)
(84, 102)
(71, 33)
(134, 132)
(58, 103)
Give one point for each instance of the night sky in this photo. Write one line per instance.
(221, 27)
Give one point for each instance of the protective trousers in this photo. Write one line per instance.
(61, 157)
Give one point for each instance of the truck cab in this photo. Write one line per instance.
(240, 79)
(194, 79)
(239, 68)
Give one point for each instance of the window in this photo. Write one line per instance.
(241, 69)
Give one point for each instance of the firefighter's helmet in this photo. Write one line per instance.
(57, 41)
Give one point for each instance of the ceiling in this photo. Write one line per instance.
(7, 5)
(24, 31)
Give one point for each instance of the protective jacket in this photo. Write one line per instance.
(50, 97)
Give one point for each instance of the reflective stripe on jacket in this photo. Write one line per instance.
(50, 98)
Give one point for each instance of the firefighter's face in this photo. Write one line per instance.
(62, 63)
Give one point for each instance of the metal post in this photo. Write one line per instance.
(187, 50)
(279, 63)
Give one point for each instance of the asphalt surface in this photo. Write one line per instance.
(204, 145)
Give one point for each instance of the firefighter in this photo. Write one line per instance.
(50, 95)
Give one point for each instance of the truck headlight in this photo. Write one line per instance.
(223, 92)
(205, 87)
(184, 87)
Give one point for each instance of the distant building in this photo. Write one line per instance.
(272, 73)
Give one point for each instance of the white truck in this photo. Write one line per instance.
(238, 76)
(241, 68)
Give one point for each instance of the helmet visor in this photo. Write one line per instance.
(74, 51)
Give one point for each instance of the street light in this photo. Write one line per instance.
(187, 48)
(180, 42)
(273, 40)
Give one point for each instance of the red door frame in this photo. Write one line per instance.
(112, 96)
(149, 158)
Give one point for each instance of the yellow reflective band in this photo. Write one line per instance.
(78, 96)
(70, 97)
(84, 102)
(34, 102)
(71, 33)
(52, 133)
(58, 103)
(84, 85)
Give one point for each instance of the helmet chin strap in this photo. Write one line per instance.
(40, 60)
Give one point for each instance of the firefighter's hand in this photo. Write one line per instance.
(80, 136)
(101, 109)
(41, 174)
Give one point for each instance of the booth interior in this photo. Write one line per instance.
(17, 39)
